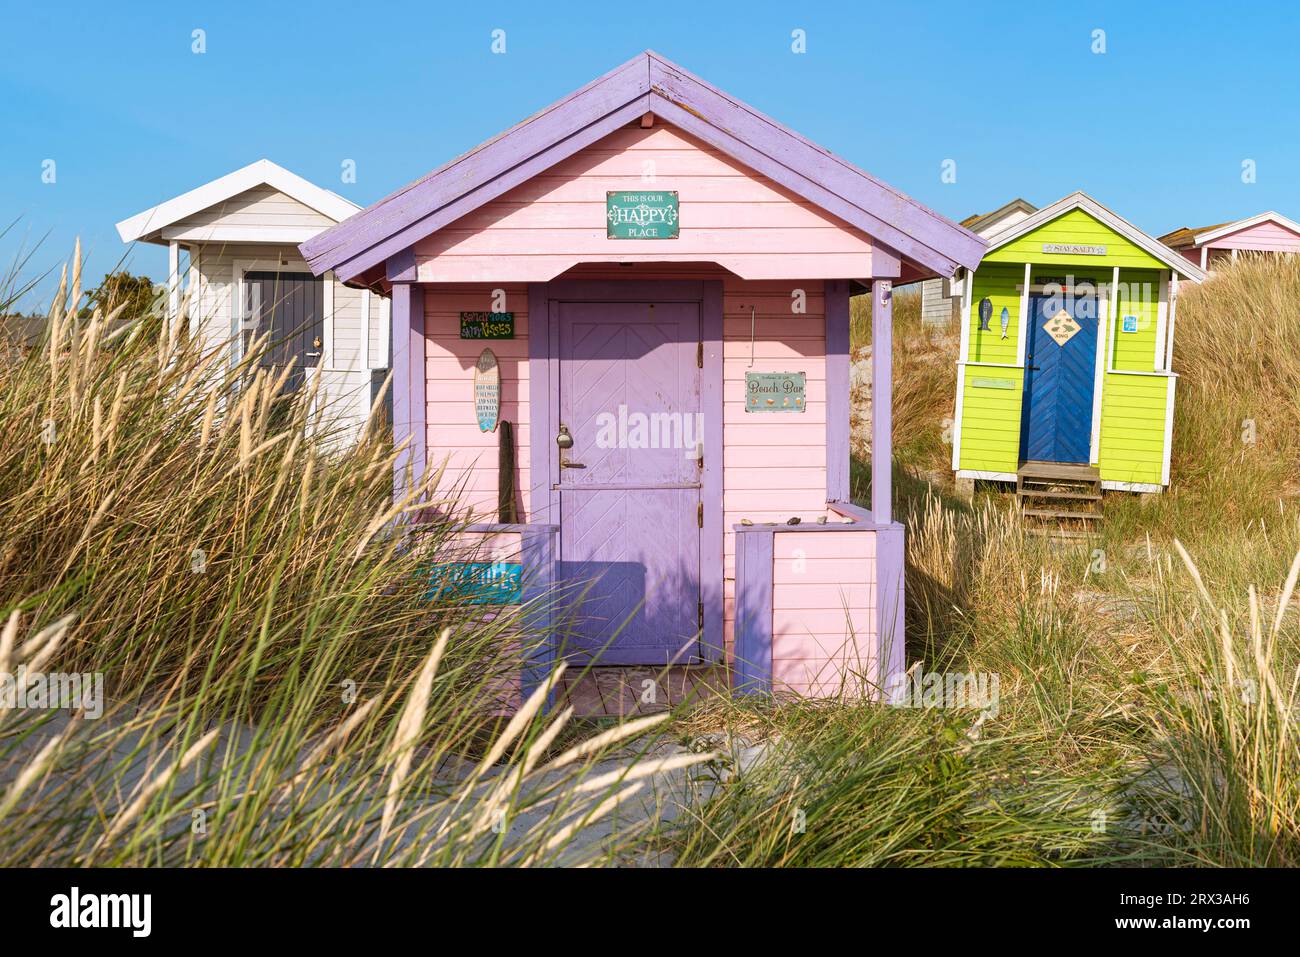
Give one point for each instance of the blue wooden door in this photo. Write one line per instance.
(1060, 368)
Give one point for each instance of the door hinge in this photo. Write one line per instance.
(700, 608)
(699, 355)
(699, 515)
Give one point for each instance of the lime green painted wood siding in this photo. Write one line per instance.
(990, 423)
(1001, 285)
(1139, 296)
(1076, 226)
(1133, 427)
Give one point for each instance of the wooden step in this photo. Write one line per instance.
(1068, 534)
(1059, 471)
(1081, 496)
(1059, 513)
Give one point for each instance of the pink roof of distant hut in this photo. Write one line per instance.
(359, 249)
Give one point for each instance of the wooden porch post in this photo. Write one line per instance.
(884, 268)
(408, 387)
(173, 287)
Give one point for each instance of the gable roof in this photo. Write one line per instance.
(148, 225)
(983, 220)
(1082, 201)
(1206, 234)
(645, 84)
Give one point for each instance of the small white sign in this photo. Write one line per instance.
(1074, 249)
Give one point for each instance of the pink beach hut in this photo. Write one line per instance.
(1208, 246)
(650, 281)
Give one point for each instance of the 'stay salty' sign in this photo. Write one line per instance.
(775, 391)
(641, 214)
(1074, 249)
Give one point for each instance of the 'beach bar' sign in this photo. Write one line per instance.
(775, 391)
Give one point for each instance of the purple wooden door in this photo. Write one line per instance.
(630, 484)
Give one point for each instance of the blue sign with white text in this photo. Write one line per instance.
(479, 583)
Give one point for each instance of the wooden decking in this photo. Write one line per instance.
(1060, 493)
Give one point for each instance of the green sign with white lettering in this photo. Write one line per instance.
(641, 214)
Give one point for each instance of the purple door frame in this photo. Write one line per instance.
(544, 412)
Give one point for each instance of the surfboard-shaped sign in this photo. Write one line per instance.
(487, 391)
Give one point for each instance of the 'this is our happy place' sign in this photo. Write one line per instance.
(774, 391)
(641, 214)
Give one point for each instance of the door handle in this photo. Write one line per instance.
(565, 441)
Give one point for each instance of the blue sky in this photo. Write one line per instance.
(1157, 127)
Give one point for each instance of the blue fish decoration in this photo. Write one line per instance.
(1006, 321)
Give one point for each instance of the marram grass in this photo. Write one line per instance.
(278, 689)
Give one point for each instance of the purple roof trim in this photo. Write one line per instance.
(646, 83)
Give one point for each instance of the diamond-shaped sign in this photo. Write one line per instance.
(1062, 327)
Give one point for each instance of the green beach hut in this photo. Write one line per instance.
(1064, 384)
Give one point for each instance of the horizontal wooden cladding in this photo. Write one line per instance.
(454, 436)
(856, 544)
(592, 240)
(990, 425)
(749, 457)
(841, 622)
(1074, 227)
(777, 324)
(844, 594)
(261, 206)
(782, 444)
(700, 214)
(451, 300)
(823, 656)
(1264, 237)
(802, 504)
(822, 571)
(449, 416)
(477, 546)
(792, 346)
(552, 188)
(824, 679)
(735, 367)
(514, 351)
(541, 266)
(729, 214)
(811, 478)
